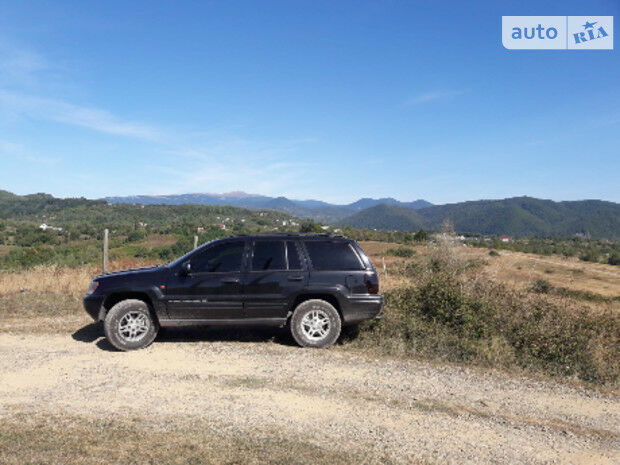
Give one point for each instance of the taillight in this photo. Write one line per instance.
(372, 285)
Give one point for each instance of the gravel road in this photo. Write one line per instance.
(406, 410)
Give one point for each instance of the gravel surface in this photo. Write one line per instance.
(406, 410)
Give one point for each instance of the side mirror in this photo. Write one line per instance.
(186, 268)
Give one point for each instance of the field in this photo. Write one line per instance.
(232, 396)
(520, 270)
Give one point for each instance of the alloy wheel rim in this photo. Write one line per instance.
(315, 325)
(133, 326)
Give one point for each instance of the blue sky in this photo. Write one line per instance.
(307, 99)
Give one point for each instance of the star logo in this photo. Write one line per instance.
(589, 25)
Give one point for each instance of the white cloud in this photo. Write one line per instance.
(68, 113)
(426, 97)
(19, 66)
(14, 150)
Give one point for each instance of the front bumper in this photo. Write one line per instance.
(360, 308)
(93, 304)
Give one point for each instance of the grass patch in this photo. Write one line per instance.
(542, 286)
(62, 440)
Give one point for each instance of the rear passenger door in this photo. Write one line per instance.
(276, 274)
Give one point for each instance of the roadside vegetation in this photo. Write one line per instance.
(446, 307)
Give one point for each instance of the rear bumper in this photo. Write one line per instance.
(360, 308)
(93, 304)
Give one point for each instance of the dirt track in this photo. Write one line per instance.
(401, 409)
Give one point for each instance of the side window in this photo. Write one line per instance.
(269, 255)
(294, 262)
(333, 255)
(219, 258)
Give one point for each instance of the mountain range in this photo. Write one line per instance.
(311, 209)
(516, 216)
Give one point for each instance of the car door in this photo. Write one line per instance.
(276, 274)
(213, 288)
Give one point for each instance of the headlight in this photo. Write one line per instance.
(93, 286)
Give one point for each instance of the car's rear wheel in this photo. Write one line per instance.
(315, 323)
(129, 325)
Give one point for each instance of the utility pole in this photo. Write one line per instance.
(195, 242)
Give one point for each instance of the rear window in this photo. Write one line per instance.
(332, 255)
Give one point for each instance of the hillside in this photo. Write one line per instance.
(76, 211)
(312, 209)
(518, 216)
(388, 217)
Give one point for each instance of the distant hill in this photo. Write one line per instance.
(518, 216)
(386, 217)
(44, 208)
(312, 209)
(362, 204)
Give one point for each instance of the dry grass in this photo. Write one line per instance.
(517, 270)
(62, 440)
(59, 280)
(48, 298)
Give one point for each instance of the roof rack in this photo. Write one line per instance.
(287, 234)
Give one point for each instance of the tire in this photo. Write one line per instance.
(312, 318)
(134, 315)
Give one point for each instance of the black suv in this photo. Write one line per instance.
(316, 284)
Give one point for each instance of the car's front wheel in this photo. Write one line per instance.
(129, 325)
(315, 323)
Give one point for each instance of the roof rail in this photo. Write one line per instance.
(287, 234)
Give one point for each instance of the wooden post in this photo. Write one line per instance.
(384, 268)
(195, 242)
(105, 251)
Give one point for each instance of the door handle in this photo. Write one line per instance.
(295, 278)
(230, 280)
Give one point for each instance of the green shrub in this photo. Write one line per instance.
(404, 252)
(420, 236)
(541, 286)
(590, 255)
(614, 259)
(464, 318)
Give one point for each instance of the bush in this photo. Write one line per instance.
(541, 286)
(420, 236)
(589, 255)
(614, 259)
(404, 252)
(493, 253)
(466, 317)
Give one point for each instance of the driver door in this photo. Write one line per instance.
(212, 290)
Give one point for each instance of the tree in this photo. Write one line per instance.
(420, 236)
(310, 226)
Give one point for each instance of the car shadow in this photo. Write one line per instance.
(93, 333)
(89, 333)
(225, 334)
